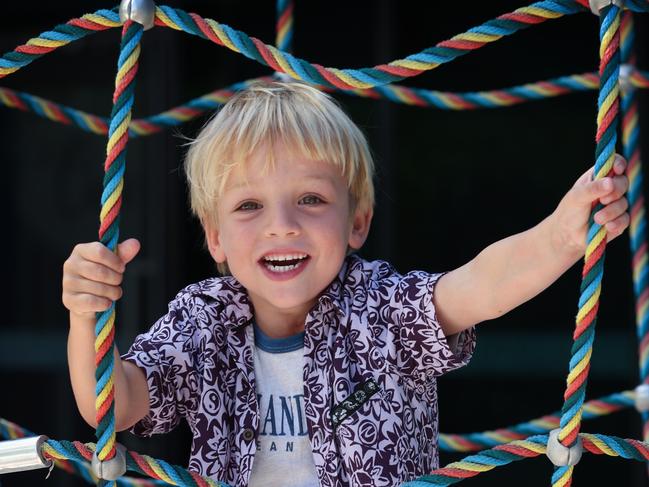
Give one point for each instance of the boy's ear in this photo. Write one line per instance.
(214, 243)
(360, 227)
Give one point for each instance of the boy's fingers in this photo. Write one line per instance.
(611, 211)
(620, 187)
(84, 286)
(84, 303)
(99, 273)
(619, 164)
(617, 226)
(593, 190)
(128, 249)
(98, 252)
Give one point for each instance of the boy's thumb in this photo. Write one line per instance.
(128, 249)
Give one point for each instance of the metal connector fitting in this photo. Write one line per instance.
(23, 454)
(283, 77)
(626, 71)
(562, 456)
(596, 6)
(642, 398)
(140, 11)
(110, 469)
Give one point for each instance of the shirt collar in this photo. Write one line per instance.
(236, 308)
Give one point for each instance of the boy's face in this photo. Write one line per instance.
(284, 230)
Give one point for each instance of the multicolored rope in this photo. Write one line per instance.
(12, 431)
(60, 36)
(399, 69)
(531, 447)
(111, 201)
(444, 100)
(638, 227)
(488, 439)
(283, 62)
(142, 464)
(593, 270)
(284, 31)
(138, 127)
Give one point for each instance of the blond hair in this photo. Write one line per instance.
(290, 113)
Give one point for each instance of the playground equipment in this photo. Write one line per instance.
(617, 79)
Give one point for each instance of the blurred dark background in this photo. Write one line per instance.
(448, 184)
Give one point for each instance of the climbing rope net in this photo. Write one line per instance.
(617, 80)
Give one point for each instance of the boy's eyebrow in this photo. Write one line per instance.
(247, 182)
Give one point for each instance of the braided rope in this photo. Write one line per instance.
(399, 69)
(60, 36)
(255, 49)
(444, 100)
(488, 439)
(137, 127)
(593, 270)
(111, 200)
(531, 447)
(638, 226)
(13, 431)
(452, 473)
(143, 464)
(284, 36)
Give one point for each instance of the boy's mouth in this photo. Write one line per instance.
(283, 262)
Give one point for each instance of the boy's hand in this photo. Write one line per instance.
(92, 276)
(572, 213)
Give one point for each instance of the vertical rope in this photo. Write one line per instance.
(638, 227)
(593, 271)
(284, 35)
(111, 202)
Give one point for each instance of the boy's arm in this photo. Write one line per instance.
(515, 269)
(131, 389)
(91, 278)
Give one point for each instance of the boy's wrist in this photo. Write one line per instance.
(82, 320)
(563, 246)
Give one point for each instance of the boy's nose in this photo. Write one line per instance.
(282, 222)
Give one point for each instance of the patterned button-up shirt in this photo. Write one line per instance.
(372, 348)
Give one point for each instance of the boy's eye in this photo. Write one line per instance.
(248, 206)
(311, 200)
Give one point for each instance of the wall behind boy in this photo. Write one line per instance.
(448, 184)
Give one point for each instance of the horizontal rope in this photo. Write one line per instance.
(143, 464)
(531, 447)
(12, 431)
(444, 100)
(488, 439)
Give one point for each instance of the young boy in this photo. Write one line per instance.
(314, 363)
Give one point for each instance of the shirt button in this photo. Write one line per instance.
(248, 434)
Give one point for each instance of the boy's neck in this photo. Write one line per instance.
(280, 323)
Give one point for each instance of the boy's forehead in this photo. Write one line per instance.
(290, 167)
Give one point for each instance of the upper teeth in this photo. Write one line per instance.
(277, 258)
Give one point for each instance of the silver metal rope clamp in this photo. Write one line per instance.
(626, 71)
(23, 454)
(642, 398)
(562, 456)
(140, 11)
(596, 6)
(110, 469)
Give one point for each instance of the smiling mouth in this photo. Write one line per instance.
(284, 263)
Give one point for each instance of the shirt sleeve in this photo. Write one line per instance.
(166, 355)
(422, 350)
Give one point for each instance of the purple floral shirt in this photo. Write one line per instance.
(372, 350)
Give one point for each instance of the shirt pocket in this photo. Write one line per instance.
(363, 421)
